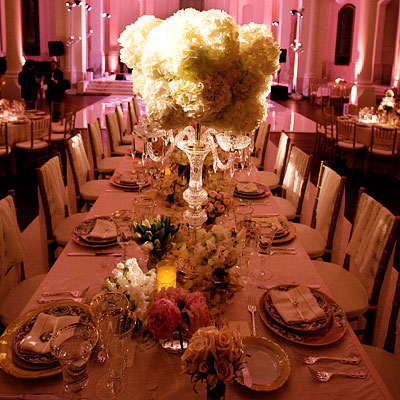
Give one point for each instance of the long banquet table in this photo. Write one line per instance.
(156, 373)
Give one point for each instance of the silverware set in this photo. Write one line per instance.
(75, 295)
(325, 376)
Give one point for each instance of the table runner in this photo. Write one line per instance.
(156, 371)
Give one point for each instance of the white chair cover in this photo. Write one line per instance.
(113, 129)
(283, 140)
(55, 190)
(371, 230)
(95, 132)
(80, 160)
(11, 249)
(294, 175)
(326, 202)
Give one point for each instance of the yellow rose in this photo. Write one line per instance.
(204, 367)
(224, 369)
(198, 348)
(212, 380)
(224, 343)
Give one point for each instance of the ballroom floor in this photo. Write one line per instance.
(380, 186)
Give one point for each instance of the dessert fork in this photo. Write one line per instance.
(325, 376)
(313, 359)
(73, 293)
(252, 308)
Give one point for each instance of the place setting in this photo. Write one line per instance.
(130, 180)
(251, 190)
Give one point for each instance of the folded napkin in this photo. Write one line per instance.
(248, 187)
(296, 305)
(274, 221)
(103, 229)
(45, 324)
(128, 177)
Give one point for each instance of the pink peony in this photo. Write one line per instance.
(164, 318)
(197, 310)
(177, 295)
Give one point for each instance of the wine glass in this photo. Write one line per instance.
(265, 237)
(115, 327)
(123, 220)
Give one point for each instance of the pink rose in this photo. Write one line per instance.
(211, 214)
(209, 207)
(197, 310)
(218, 196)
(217, 203)
(164, 318)
(221, 209)
(212, 193)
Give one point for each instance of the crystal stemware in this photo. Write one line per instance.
(123, 220)
(265, 235)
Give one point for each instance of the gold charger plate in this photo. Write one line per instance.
(131, 187)
(267, 363)
(7, 343)
(291, 229)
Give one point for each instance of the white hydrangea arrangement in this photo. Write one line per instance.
(202, 67)
(138, 286)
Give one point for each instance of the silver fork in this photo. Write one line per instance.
(252, 308)
(325, 376)
(353, 360)
(73, 293)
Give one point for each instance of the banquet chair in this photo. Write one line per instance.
(346, 142)
(57, 111)
(54, 207)
(126, 136)
(335, 97)
(114, 136)
(317, 239)
(31, 104)
(274, 179)
(260, 145)
(325, 134)
(15, 289)
(356, 286)
(383, 147)
(387, 363)
(294, 183)
(102, 166)
(38, 146)
(4, 151)
(86, 191)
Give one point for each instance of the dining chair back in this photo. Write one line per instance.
(121, 121)
(261, 144)
(57, 111)
(356, 287)
(125, 129)
(114, 136)
(102, 166)
(318, 239)
(31, 104)
(294, 183)
(282, 156)
(86, 191)
(4, 149)
(383, 146)
(335, 97)
(54, 206)
(38, 146)
(15, 290)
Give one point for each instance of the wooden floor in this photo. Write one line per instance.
(380, 186)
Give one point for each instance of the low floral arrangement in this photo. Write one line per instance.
(155, 236)
(176, 309)
(216, 205)
(138, 286)
(173, 185)
(213, 356)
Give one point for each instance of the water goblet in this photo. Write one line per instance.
(123, 221)
(144, 207)
(243, 213)
(72, 346)
(115, 327)
(265, 236)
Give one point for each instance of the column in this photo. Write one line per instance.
(11, 89)
(96, 55)
(311, 46)
(79, 47)
(396, 62)
(365, 93)
(284, 39)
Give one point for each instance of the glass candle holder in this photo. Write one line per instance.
(166, 274)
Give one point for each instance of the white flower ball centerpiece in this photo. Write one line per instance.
(201, 67)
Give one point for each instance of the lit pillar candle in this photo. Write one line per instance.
(166, 274)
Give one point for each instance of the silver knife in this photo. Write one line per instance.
(45, 300)
(95, 254)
